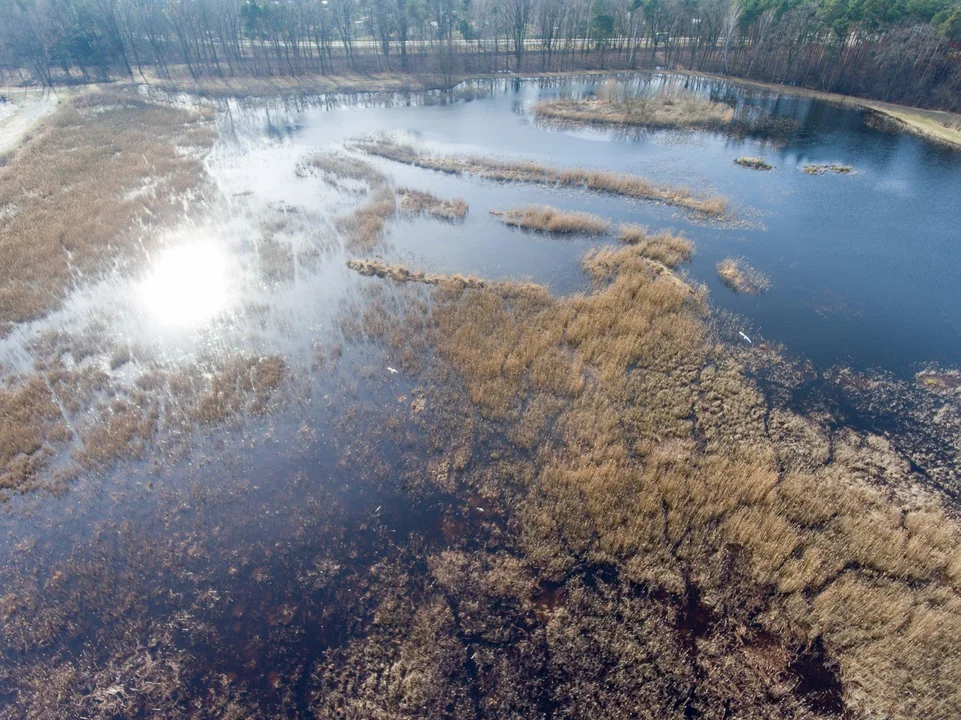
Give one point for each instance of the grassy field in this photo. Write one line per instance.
(73, 194)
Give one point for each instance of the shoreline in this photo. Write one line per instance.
(934, 125)
(928, 124)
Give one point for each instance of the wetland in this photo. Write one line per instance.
(423, 405)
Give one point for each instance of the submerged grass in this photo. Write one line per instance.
(619, 104)
(736, 274)
(30, 427)
(417, 202)
(832, 168)
(73, 196)
(531, 172)
(551, 220)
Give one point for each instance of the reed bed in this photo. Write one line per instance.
(736, 274)
(625, 185)
(549, 219)
(399, 273)
(665, 470)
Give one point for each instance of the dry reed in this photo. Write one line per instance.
(736, 274)
(530, 172)
(665, 469)
(551, 220)
(664, 247)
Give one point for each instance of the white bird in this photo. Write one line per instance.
(745, 337)
(391, 370)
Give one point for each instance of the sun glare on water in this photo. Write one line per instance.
(187, 285)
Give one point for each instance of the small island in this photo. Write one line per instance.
(617, 103)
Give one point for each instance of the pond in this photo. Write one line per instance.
(864, 267)
(258, 553)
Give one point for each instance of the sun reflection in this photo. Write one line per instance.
(187, 285)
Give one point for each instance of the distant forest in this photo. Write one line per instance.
(905, 51)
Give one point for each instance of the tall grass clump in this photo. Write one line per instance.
(661, 474)
(753, 163)
(549, 219)
(736, 274)
(664, 247)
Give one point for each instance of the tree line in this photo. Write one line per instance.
(898, 50)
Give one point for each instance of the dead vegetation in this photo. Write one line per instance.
(531, 172)
(416, 202)
(829, 168)
(664, 247)
(620, 104)
(753, 163)
(770, 543)
(335, 167)
(399, 273)
(30, 427)
(72, 196)
(740, 277)
(549, 219)
(365, 227)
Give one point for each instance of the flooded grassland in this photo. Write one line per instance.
(280, 437)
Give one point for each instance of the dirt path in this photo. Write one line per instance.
(21, 110)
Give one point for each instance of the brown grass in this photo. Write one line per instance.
(753, 163)
(832, 168)
(618, 104)
(365, 228)
(736, 274)
(243, 385)
(399, 273)
(664, 468)
(337, 166)
(97, 168)
(530, 172)
(30, 425)
(664, 247)
(416, 202)
(551, 220)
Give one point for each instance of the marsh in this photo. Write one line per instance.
(291, 425)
